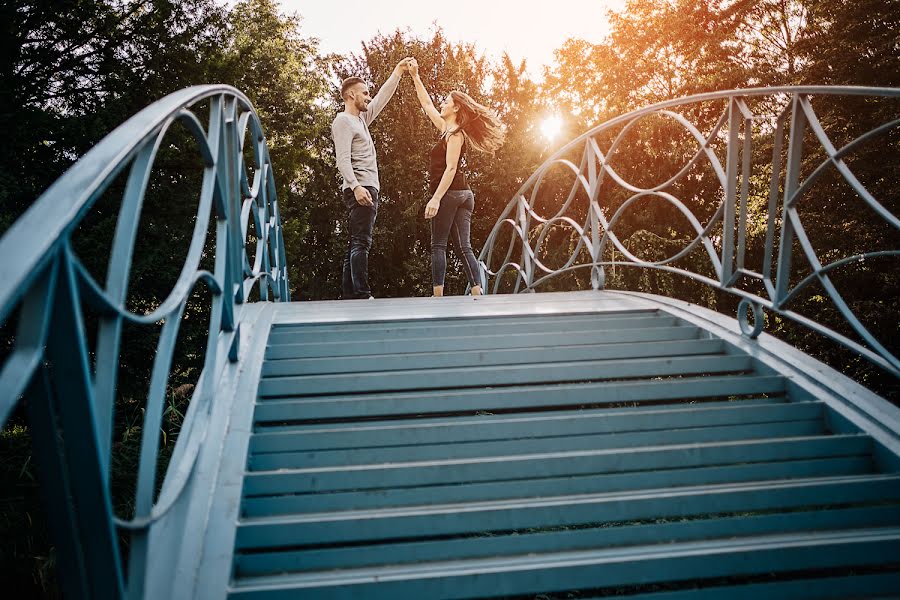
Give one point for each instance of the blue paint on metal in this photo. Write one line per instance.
(681, 562)
(72, 403)
(263, 506)
(558, 541)
(381, 475)
(527, 230)
(374, 434)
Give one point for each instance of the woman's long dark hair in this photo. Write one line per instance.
(479, 124)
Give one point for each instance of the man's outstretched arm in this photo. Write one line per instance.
(385, 93)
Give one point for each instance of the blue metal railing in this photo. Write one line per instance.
(46, 288)
(723, 237)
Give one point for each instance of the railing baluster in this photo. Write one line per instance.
(791, 183)
(745, 181)
(731, 168)
(728, 263)
(71, 411)
(527, 266)
(598, 279)
(774, 186)
(87, 476)
(56, 482)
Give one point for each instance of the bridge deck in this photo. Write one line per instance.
(574, 443)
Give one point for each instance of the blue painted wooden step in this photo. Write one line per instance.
(490, 455)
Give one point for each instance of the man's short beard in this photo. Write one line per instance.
(362, 106)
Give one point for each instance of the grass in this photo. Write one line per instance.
(27, 554)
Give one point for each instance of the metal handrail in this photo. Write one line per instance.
(71, 406)
(734, 130)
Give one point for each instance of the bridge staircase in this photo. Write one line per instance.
(573, 445)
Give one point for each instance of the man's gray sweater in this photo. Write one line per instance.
(353, 146)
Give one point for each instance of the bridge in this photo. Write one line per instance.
(563, 444)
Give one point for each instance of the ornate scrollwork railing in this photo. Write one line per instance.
(720, 235)
(46, 290)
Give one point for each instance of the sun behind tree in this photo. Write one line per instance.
(551, 126)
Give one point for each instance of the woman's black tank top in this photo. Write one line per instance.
(437, 163)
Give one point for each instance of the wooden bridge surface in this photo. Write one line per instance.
(575, 445)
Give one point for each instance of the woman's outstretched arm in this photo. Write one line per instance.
(424, 98)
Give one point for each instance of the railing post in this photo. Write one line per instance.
(791, 183)
(731, 168)
(233, 289)
(264, 232)
(598, 276)
(67, 445)
(774, 182)
(745, 181)
(527, 265)
(233, 197)
(279, 255)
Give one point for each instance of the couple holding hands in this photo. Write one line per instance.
(462, 123)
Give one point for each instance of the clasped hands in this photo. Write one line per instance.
(407, 65)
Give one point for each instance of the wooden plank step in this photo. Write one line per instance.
(567, 443)
(561, 511)
(614, 567)
(484, 340)
(484, 358)
(531, 425)
(261, 506)
(405, 552)
(550, 464)
(519, 397)
(468, 327)
(264, 426)
(424, 323)
(440, 378)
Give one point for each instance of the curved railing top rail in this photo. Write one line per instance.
(722, 237)
(66, 202)
(846, 90)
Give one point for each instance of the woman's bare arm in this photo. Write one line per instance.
(424, 98)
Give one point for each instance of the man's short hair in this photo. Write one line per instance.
(348, 83)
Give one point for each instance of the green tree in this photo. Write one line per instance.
(282, 73)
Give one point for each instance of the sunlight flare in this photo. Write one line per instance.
(551, 126)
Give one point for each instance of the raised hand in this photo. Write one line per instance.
(412, 66)
(402, 66)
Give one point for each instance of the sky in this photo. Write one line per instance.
(494, 26)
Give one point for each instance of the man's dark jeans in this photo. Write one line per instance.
(361, 222)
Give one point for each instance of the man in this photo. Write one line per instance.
(356, 161)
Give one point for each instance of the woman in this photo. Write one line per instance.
(463, 123)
